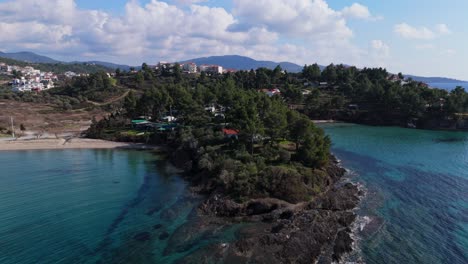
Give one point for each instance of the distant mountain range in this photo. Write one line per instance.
(228, 62)
(35, 58)
(28, 57)
(244, 63)
(109, 65)
(433, 79)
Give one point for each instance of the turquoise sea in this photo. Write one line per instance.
(116, 206)
(416, 208)
(97, 206)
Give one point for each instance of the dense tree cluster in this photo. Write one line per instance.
(375, 97)
(58, 68)
(276, 151)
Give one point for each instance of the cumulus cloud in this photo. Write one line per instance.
(303, 31)
(359, 11)
(379, 53)
(299, 18)
(380, 47)
(189, 2)
(443, 29)
(409, 32)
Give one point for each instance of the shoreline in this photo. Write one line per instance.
(333, 212)
(324, 121)
(73, 143)
(435, 128)
(322, 225)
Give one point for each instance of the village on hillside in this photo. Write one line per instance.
(29, 79)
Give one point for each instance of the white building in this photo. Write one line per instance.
(189, 67)
(70, 74)
(211, 69)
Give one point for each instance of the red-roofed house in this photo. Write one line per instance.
(230, 133)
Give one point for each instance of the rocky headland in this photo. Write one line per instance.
(315, 231)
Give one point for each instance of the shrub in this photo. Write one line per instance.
(284, 156)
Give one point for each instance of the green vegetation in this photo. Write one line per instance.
(371, 96)
(250, 161)
(58, 68)
(75, 93)
(5, 132)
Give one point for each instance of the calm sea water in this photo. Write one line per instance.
(449, 86)
(107, 206)
(97, 206)
(417, 191)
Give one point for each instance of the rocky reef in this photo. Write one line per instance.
(316, 231)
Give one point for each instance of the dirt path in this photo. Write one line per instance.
(112, 100)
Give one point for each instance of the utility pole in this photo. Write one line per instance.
(12, 127)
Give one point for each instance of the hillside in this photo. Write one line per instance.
(58, 67)
(27, 57)
(433, 79)
(108, 65)
(244, 63)
(23, 58)
(236, 62)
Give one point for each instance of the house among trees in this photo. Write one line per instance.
(230, 133)
(271, 92)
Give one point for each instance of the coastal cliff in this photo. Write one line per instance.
(310, 231)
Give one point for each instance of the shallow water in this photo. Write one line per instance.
(116, 206)
(417, 191)
(97, 206)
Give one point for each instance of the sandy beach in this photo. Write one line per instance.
(74, 143)
(324, 121)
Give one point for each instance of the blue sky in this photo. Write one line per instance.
(423, 37)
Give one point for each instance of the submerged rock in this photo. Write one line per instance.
(142, 237)
(154, 210)
(157, 226)
(164, 235)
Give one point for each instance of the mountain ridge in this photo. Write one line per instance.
(27, 56)
(236, 62)
(244, 63)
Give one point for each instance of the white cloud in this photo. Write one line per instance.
(410, 32)
(359, 11)
(302, 31)
(379, 53)
(443, 29)
(189, 2)
(298, 18)
(380, 47)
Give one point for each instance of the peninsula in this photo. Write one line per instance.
(246, 141)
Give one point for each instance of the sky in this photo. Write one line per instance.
(421, 37)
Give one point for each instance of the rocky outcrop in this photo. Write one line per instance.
(281, 232)
(221, 206)
(308, 232)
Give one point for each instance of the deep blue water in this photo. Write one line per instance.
(449, 86)
(417, 191)
(97, 206)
